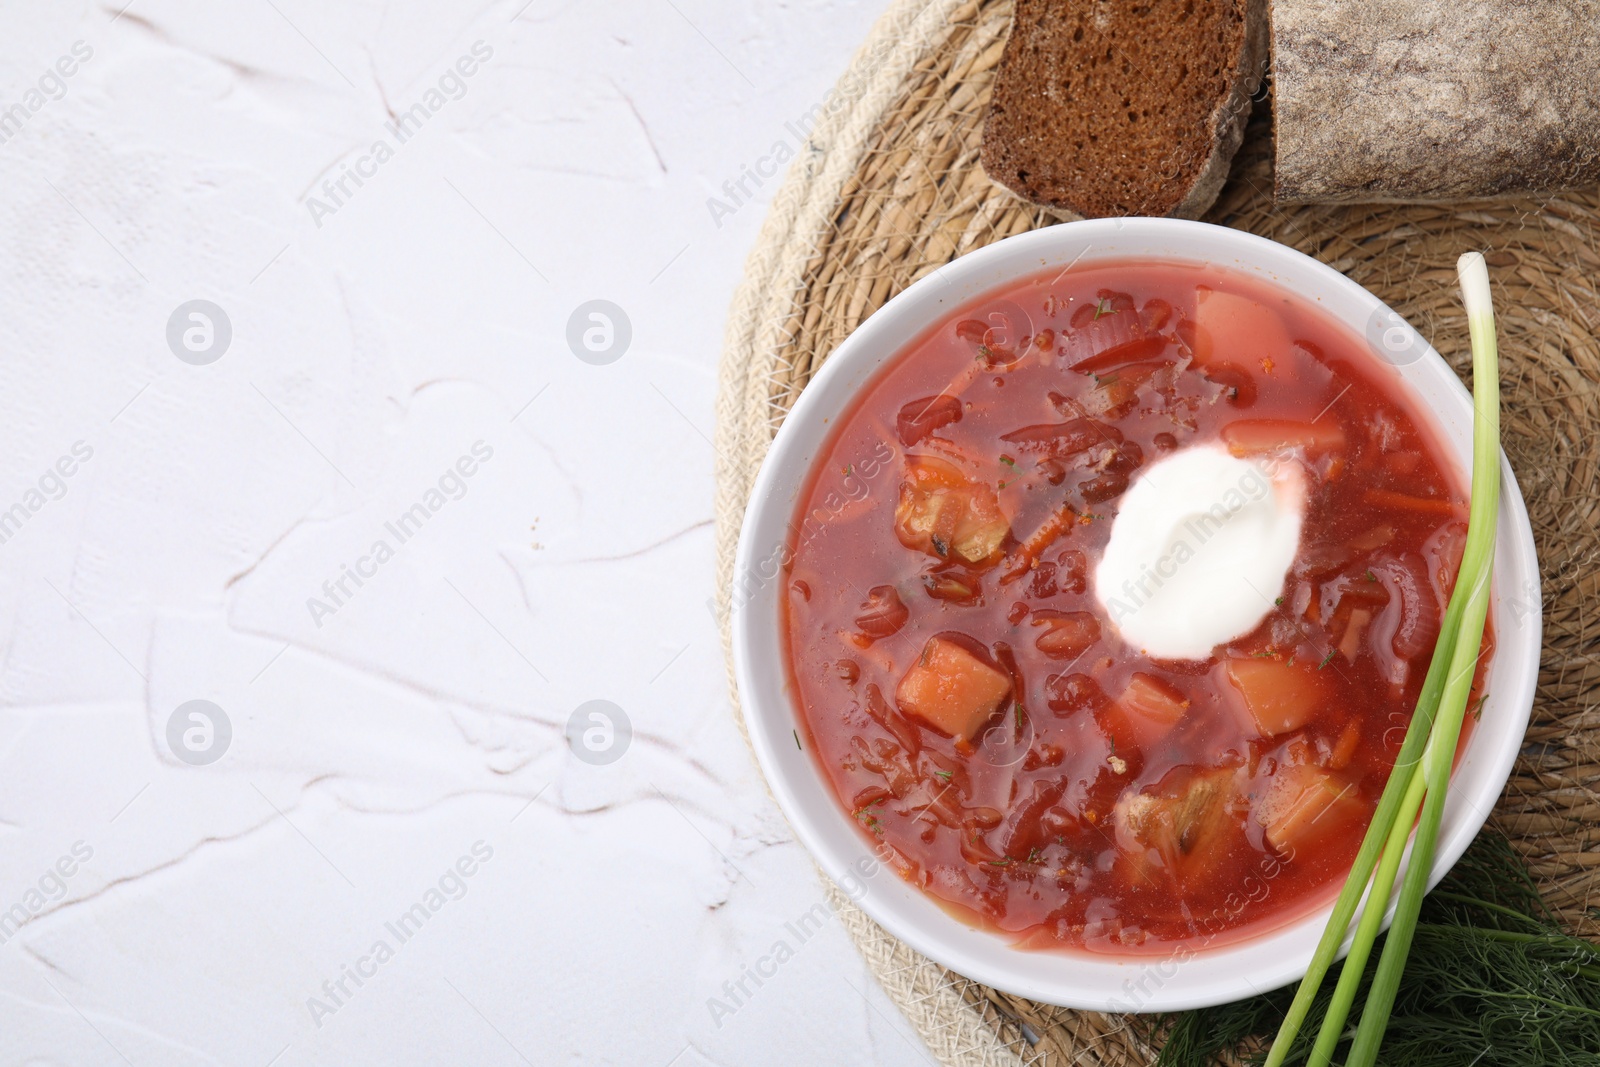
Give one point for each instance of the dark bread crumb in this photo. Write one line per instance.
(1106, 108)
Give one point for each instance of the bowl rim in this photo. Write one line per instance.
(949, 941)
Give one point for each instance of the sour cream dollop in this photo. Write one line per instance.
(1199, 550)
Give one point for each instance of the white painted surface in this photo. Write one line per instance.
(376, 338)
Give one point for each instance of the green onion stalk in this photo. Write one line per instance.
(1422, 767)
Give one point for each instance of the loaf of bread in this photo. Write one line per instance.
(1115, 107)
(1375, 100)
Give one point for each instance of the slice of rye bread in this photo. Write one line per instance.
(1110, 107)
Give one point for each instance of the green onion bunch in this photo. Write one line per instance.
(1492, 981)
(1478, 975)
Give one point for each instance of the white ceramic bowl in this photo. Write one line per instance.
(1182, 979)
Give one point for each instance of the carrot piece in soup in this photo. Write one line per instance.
(1350, 641)
(1249, 437)
(1236, 329)
(1344, 749)
(1059, 521)
(1384, 498)
(943, 513)
(1279, 698)
(951, 689)
(1146, 712)
(1308, 807)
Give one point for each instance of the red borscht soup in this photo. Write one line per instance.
(973, 701)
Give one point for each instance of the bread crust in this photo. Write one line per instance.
(1434, 100)
(1018, 149)
(1231, 115)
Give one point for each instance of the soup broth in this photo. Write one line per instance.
(965, 686)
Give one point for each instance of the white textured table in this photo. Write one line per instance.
(293, 427)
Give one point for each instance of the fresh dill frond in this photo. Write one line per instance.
(1492, 980)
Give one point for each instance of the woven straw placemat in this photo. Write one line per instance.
(888, 188)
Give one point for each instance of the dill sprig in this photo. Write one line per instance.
(1491, 980)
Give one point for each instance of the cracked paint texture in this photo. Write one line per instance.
(424, 718)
